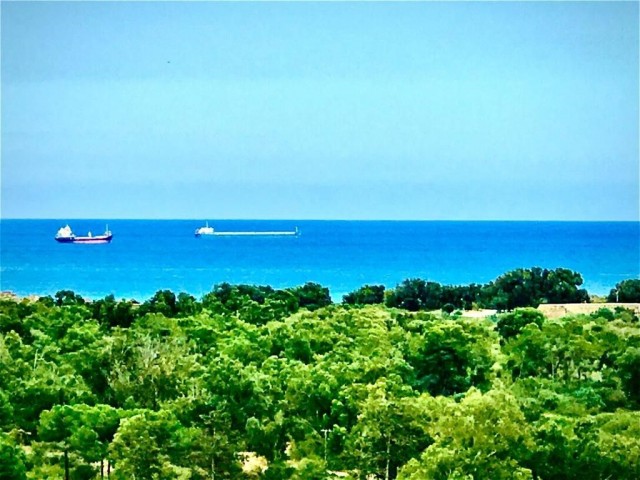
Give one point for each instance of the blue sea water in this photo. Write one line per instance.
(148, 255)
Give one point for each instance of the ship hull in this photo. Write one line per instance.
(255, 234)
(86, 240)
(64, 239)
(208, 231)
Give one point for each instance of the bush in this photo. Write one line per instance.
(531, 287)
(312, 296)
(448, 308)
(367, 295)
(416, 294)
(511, 324)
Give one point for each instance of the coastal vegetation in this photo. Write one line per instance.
(625, 291)
(256, 382)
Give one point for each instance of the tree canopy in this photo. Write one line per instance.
(255, 382)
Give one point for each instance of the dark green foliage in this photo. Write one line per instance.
(531, 287)
(256, 293)
(625, 291)
(83, 472)
(561, 286)
(451, 357)
(46, 300)
(12, 459)
(448, 308)
(511, 324)
(629, 367)
(247, 301)
(515, 289)
(163, 302)
(604, 313)
(187, 305)
(416, 294)
(12, 315)
(461, 296)
(67, 297)
(367, 295)
(312, 296)
(232, 296)
(112, 313)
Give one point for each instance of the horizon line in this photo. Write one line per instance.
(325, 219)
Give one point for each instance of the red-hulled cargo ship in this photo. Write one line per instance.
(65, 235)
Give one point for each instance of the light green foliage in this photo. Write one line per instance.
(151, 362)
(186, 389)
(389, 431)
(150, 445)
(593, 447)
(483, 436)
(568, 349)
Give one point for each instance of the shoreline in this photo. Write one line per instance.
(550, 310)
(599, 295)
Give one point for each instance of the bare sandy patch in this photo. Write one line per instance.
(557, 310)
(478, 313)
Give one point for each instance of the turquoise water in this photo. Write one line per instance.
(148, 255)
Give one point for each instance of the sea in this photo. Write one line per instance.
(150, 255)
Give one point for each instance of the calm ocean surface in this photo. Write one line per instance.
(147, 255)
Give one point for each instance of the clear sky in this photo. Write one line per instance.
(461, 111)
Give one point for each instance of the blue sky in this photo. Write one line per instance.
(462, 111)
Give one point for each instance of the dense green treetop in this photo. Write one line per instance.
(625, 291)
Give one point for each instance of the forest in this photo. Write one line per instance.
(256, 382)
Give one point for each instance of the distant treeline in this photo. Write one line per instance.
(515, 289)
